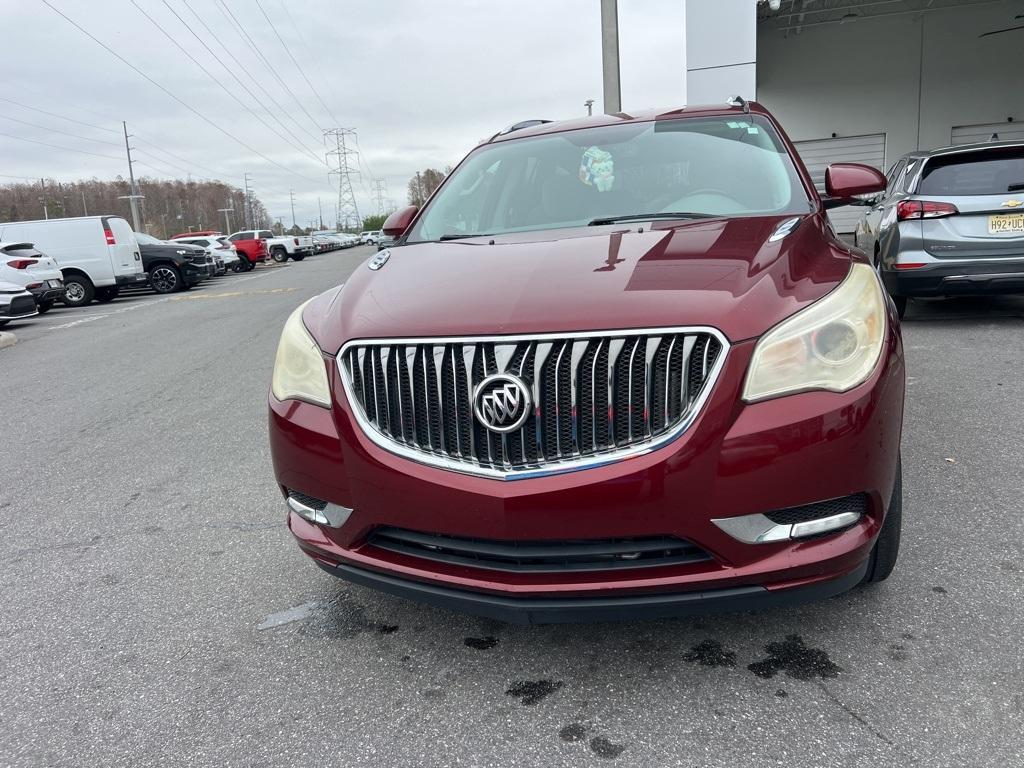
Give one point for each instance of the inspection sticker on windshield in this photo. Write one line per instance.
(1010, 222)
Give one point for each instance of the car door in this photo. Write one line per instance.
(868, 229)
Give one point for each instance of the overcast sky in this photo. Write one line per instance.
(421, 83)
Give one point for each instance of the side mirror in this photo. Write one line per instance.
(846, 180)
(399, 221)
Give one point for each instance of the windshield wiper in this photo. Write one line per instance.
(456, 236)
(650, 216)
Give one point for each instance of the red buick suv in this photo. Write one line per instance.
(615, 367)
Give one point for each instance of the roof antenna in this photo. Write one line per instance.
(739, 101)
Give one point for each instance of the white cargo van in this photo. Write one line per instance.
(98, 255)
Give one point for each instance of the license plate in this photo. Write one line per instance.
(1011, 222)
(55, 283)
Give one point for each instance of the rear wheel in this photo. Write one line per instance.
(165, 278)
(78, 291)
(44, 306)
(887, 548)
(280, 255)
(106, 295)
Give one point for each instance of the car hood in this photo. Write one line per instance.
(724, 273)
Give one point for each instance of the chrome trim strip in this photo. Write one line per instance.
(758, 529)
(611, 456)
(333, 515)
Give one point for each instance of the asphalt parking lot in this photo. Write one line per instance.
(156, 612)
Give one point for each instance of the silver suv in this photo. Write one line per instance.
(951, 222)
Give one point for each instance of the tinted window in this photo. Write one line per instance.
(985, 172)
(265, 233)
(729, 166)
(23, 252)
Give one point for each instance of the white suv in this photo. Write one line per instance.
(22, 264)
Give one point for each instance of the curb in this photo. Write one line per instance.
(7, 339)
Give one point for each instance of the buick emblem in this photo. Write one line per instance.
(502, 402)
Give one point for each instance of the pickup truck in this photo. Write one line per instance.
(285, 247)
(252, 246)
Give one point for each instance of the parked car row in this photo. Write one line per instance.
(80, 260)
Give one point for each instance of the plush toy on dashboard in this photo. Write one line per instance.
(597, 169)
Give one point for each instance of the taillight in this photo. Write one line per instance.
(296, 241)
(923, 209)
(33, 286)
(110, 237)
(20, 263)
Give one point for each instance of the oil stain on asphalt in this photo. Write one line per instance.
(794, 658)
(710, 653)
(599, 745)
(481, 643)
(532, 691)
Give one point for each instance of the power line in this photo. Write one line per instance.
(54, 114)
(227, 13)
(243, 68)
(181, 101)
(245, 87)
(296, 63)
(57, 130)
(221, 85)
(57, 146)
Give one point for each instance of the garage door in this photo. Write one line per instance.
(818, 154)
(973, 134)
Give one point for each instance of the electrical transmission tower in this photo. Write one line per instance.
(345, 166)
(380, 195)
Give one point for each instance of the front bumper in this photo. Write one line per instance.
(736, 459)
(962, 278)
(193, 275)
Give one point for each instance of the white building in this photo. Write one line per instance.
(864, 80)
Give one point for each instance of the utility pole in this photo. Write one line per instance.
(610, 56)
(291, 194)
(589, 104)
(248, 207)
(227, 218)
(133, 196)
(346, 167)
(321, 209)
(42, 198)
(85, 208)
(163, 224)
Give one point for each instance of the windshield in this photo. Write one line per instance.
(145, 239)
(720, 166)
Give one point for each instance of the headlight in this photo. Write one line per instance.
(299, 371)
(832, 344)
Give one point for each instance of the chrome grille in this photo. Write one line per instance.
(597, 397)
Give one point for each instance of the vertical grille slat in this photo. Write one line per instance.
(593, 395)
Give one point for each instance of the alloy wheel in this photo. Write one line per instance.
(164, 279)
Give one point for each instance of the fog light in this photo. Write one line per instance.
(316, 510)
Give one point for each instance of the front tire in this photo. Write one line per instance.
(165, 278)
(78, 291)
(44, 306)
(107, 295)
(299, 257)
(887, 548)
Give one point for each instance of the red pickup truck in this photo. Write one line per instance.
(251, 249)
